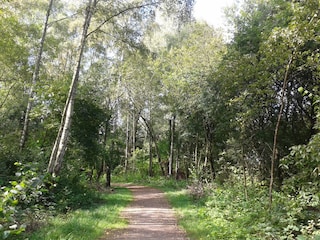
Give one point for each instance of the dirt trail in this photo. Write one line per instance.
(150, 217)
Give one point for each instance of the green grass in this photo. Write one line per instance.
(187, 211)
(87, 224)
(225, 213)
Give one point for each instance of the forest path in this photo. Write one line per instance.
(150, 217)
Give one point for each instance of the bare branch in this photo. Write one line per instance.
(62, 19)
(7, 95)
(120, 13)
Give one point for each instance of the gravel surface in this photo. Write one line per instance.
(150, 217)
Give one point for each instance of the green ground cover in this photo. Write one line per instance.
(88, 223)
(227, 212)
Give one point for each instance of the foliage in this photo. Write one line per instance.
(71, 191)
(8, 224)
(32, 197)
(302, 165)
(226, 213)
(134, 78)
(89, 222)
(22, 203)
(88, 119)
(269, 42)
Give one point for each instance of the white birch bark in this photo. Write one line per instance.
(172, 129)
(35, 78)
(60, 145)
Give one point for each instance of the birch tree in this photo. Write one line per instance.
(144, 10)
(60, 144)
(35, 77)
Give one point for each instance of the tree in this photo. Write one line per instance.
(13, 74)
(61, 141)
(186, 69)
(60, 145)
(254, 80)
(35, 77)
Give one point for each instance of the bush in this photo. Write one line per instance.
(20, 201)
(70, 192)
(228, 214)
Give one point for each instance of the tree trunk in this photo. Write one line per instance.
(209, 138)
(159, 157)
(244, 173)
(206, 154)
(178, 160)
(134, 131)
(275, 138)
(171, 150)
(196, 159)
(108, 176)
(155, 144)
(211, 161)
(127, 153)
(60, 145)
(150, 157)
(100, 170)
(35, 78)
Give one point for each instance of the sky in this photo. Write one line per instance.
(212, 11)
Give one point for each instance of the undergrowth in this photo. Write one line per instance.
(89, 222)
(226, 212)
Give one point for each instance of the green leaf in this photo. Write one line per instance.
(301, 90)
(15, 202)
(300, 237)
(14, 183)
(6, 234)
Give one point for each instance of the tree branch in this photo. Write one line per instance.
(275, 138)
(7, 95)
(62, 19)
(120, 13)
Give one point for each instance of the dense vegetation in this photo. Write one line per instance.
(139, 89)
(86, 223)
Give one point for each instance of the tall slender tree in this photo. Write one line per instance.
(35, 77)
(60, 144)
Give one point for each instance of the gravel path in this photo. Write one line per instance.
(150, 217)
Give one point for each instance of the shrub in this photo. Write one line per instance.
(20, 201)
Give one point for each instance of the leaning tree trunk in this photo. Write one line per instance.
(35, 78)
(60, 145)
(275, 137)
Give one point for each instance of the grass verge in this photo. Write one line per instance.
(89, 223)
(225, 213)
(187, 211)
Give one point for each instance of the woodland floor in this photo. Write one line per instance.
(150, 217)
